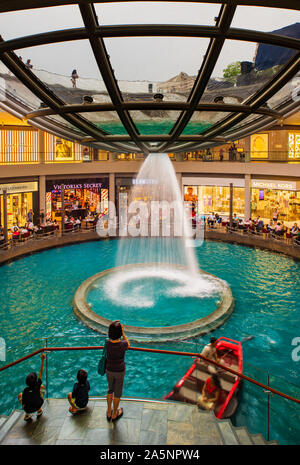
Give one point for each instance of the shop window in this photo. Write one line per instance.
(294, 145)
(287, 203)
(259, 145)
(208, 199)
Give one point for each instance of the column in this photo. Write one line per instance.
(231, 203)
(179, 180)
(62, 193)
(111, 191)
(5, 216)
(247, 210)
(42, 195)
(41, 146)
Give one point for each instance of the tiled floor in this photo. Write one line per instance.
(143, 423)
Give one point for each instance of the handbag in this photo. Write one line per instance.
(102, 361)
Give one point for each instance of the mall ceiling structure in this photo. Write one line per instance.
(182, 111)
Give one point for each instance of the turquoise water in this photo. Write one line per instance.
(36, 295)
(153, 127)
(137, 295)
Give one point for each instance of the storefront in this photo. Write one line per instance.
(207, 195)
(80, 196)
(22, 198)
(283, 196)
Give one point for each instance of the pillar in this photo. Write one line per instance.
(42, 195)
(111, 191)
(41, 146)
(247, 208)
(179, 180)
(231, 203)
(62, 193)
(5, 231)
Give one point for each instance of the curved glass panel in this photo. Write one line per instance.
(54, 64)
(64, 124)
(108, 121)
(287, 92)
(12, 87)
(157, 13)
(270, 19)
(27, 22)
(202, 120)
(242, 69)
(156, 64)
(154, 121)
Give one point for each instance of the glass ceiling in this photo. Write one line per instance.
(151, 76)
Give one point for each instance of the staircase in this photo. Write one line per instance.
(143, 422)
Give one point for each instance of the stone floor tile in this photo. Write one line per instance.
(155, 406)
(126, 430)
(180, 433)
(154, 420)
(182, 413)
(152, 438)
(74, 427)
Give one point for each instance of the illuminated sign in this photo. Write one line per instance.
(276, 185)
(19, 187)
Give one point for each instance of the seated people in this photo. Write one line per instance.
(279, 229)
(32, 397)
(211, 220)
(210, 393)
(295, 230)
(79, 397)
(210, 351)
(77, 223)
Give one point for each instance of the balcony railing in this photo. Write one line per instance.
(269, 404)
(19, 158)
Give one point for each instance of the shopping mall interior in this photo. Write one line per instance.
(150, 184)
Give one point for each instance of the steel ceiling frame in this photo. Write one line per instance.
(134, 141)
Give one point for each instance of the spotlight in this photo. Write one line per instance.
(219, 99)
(158, 97)
(87, 99)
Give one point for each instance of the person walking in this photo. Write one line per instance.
(74, 76)
(115, 369)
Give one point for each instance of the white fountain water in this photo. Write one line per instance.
(156, 215)
(156, 288)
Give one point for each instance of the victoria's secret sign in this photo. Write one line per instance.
(95, 185)
(72, 184)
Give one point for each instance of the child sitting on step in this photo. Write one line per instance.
(32, 397)
(79, 397)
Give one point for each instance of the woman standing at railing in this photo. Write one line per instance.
(115, 369)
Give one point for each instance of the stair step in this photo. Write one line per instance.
(243, 436)
(258, 439)
(9, 423)
(3, 419)
(227, 432)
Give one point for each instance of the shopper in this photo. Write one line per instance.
(32, 397)
(74, 76)
(79, 397)
(115, 369)
(28, 64)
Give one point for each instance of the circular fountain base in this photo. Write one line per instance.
(197, 327)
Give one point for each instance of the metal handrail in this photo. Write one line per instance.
(159, 351)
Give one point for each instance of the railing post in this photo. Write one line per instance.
(47, 392)
(268, 432)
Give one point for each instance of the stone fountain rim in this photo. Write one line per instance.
(160, 333)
